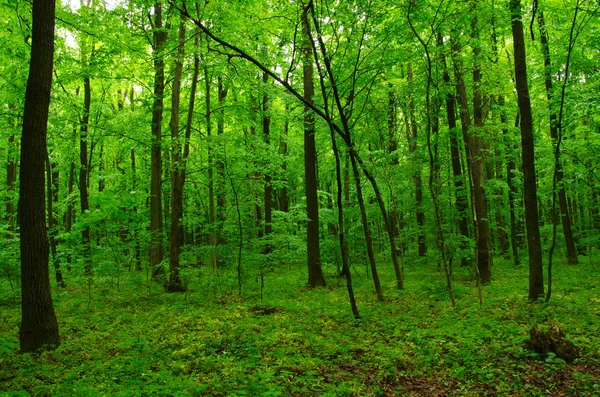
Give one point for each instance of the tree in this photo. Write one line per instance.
(177, 172)
(565, 217)
(156, 212)
(315, 273)
(39, 328)
(534, 246)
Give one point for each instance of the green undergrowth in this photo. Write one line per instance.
(124, 337)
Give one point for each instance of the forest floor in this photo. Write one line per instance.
(124, 337)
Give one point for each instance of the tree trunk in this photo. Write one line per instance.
(268, 199)
(460, 191)
(219, 164)
(283, 194)
(417, 176)
(315, 272)
(176, 232)
(482, 226)
(51, 198)
(512, 188)
(156, 211)
(11, 178)
(554, 127)
(39, 328)
(536, 277)
(83, 172)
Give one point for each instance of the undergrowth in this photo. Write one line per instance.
(123, 336)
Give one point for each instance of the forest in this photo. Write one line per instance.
(300, 198)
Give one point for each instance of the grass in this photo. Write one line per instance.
(132, 340)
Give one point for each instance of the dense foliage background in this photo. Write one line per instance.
(417, 166)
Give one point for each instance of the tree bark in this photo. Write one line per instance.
(156, 211)
(554, 127)
(51, 198)
(534, 247)
(39, 328)
(412, 143)
(11, 178)
(283, 194)
(315, 272)
(482, 226)
(460, 191)
(219, 163)
(268, 199)
(175, 283)
(83, 173)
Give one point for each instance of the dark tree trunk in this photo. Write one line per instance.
(219, 163)
(460, 191)
(83, 172)
(214, 239)
(513, 192)
(473, 149)
(536, 277)
(39, 328)
(315, 272)
(554, 128)
(175, 283)
(417, 176)
(138, 253)
(51, 198)
(268, 199)
(11, 178)
(283, 194)
(69, 214)
(156, 210)
(482, 227)
(100, 170)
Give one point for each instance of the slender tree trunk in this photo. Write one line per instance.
(536, 277)
(473, 149)
(483, 235)
(69, 214)
(512, 188)
(417, 176)
(268, 199)
(315, 272)
(554, 127)
(283, 194)
(460, 191)
(138, 253)
(365, 225)
(176, 232)
(11, 178)
(341, 234)
(219, 164)
(39, 328)
(83, 172)
(51, 198)
(214, 240)
(156, 210)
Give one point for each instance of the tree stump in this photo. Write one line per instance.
(551, 341)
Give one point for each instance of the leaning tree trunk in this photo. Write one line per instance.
(39, 328)
(554, 128)
(534, 247)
